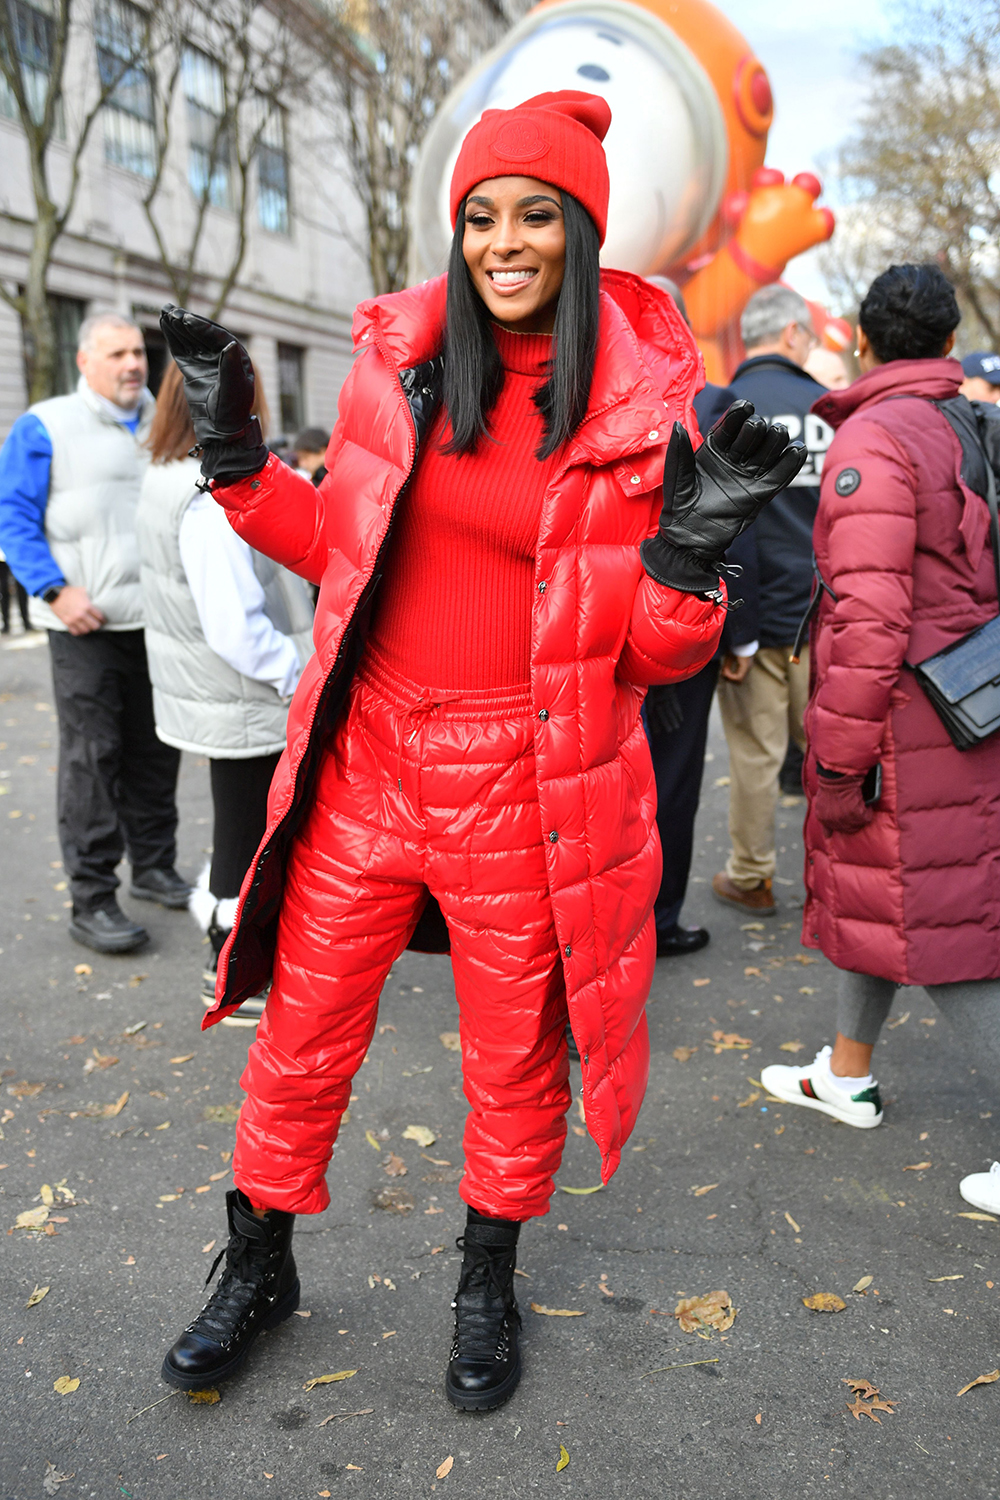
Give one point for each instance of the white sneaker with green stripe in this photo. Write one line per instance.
(815, 1087)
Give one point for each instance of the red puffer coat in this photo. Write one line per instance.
(904, 545)
(602, 632)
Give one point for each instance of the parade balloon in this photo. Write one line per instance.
(691, 106)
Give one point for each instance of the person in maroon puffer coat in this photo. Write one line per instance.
(905, 891)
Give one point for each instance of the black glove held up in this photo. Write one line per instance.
(710, 497)
(220, 389)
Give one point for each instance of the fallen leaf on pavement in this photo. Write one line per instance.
(395, 1166)
(805, 989)
(582, 1192)
(722, 781)
(99, 1060)
(208, 1397)
(699, 982)
(946, 1278)
(31, 1218)
(825, 1302)
(24, 1089)
(434, 1161)
(207, 1249)
(790, 1220)
(857, 1406)
(928, 1020)
(863, 1388)
(563, 1455)
(109, 1111)
(328, 1379)
(982, 1218)
(751, 970)
(218, 1176)
(556, 1312)
(37, 1295)
(715, 1310)
(451, 1041)
(900, 1020)
(420, 1134)
(881, 1404)
(684, 1054)
(65, 1385)
(52, 1479)
(372, 1140)
(46, 1194)
(728, 1041)
(356, 1467)
(444, 1469)
(862, 1286)
(339, 1416)
(700, 1192)
(136, 980)
(185, 1058)
(752, 927)
(791, 1046)
(919, 1166)
(981, 1380)
(750, 1099)
(82, 969)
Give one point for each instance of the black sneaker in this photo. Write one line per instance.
(259, 1289)
(675, 941)
(164, 886)
(485, 1364)
(106, 929)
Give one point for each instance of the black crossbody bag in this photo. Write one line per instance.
(963, 681)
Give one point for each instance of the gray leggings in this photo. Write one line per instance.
(972, 1007)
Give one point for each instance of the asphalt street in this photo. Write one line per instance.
(118, 1118)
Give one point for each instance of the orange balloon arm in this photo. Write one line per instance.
(780, 221)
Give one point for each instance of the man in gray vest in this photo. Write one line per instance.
(70, 473)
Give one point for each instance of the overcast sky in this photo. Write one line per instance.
(809, 48)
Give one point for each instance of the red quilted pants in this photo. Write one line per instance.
(415, 792)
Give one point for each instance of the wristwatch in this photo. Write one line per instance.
(52, 594)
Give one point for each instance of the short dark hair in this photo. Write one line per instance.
(908, 313)
(311, 440)
(473, 374)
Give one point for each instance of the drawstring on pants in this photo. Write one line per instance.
(420, 712)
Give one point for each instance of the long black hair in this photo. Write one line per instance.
(473, 373)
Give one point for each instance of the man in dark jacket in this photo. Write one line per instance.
(762, 696)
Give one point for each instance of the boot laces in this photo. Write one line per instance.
(247, 1267)
(484, 1303)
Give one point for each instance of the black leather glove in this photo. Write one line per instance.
(710, 497)
(220, 389)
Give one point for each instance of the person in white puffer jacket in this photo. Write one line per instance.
(228, 632)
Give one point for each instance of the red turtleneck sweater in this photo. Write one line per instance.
(455, 606)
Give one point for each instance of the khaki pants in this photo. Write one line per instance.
(758, 715)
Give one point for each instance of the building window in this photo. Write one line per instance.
(67, 315)
(210, 166)
(129, 134)
(272, 172)
(34, 39)
(290, 386)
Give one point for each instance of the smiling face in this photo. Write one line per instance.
(515, 248)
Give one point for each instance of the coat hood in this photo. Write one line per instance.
(934, 379)
(647, 358)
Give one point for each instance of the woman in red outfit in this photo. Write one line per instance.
(468, 732)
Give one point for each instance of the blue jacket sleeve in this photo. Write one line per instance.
(25, 460)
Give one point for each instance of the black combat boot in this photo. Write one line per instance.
(258, 1290)
(485, 1364)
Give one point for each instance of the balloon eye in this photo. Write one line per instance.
(594, 72)
(752, 96)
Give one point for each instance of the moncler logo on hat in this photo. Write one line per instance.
(519, 140)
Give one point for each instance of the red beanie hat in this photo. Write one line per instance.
(553, 137)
